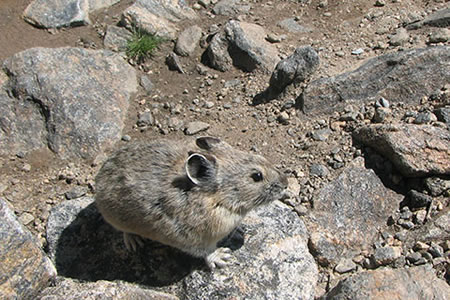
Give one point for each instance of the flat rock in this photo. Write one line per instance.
(231, 7)
(116, 38)
(292, 25)
(25, 269)
(243, 45)
(416, 150)
(73, 100)
(69, 289)
(271, 257)
(412, 283)
(404, 76)
(440, 18)
(158, 17)
(348, 214)
(62, 13)
(196, 127)
(188, 40)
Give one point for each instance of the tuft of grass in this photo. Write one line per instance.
(142, 44)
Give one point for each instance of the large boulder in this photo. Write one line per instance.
(158, 17)
(62, 13)
(25, 270)
(73, 100)
(243, 45)
(271, 257)
(348, 214)
(413, 283)
(404, 76)
(416, 150)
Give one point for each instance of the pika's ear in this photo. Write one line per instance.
(207, 142)
(200, 168)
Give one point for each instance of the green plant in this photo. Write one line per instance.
(142, 44)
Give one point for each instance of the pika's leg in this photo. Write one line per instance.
(220, 258)
(132, 241)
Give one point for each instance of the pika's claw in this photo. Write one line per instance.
(219, 258)
(132, 241)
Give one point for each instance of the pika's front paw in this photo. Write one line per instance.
(132, 241)
(219, 258)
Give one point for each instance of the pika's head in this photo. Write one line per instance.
(240, 180)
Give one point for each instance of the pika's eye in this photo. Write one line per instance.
(257, 176)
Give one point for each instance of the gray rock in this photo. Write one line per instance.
(412, 283)
(318, 170)
(416, 150)
(62, 13)
(145, 119)
(418, 71)
(425, 118)
(72, 99)
(116, 38)
(345, 265)
(436, 230)
(174, 64)
(443, 114)
(274, 262)
(188, 40)
(440, 18)
(291, 25)
(76, 192)
(348, 214)
(437, 186)
(270, 252)
(158, 17)
(146, 83)
(400, 37)
(69, 289)
(25, 269)
(243, 45)
(231, 7)
(440, 35)
(386, 255)
(196, 127)
(414, 258)
(321, 134)
(295, 68)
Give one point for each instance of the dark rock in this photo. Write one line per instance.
(415, 150)
(415, 199)
(419, 72)
(116, 38)
(386, 255)
(440, 18)
(25, 270)
(425, 118)
(157, 17)
(145, 119)
(69, 289)
(174, 64)
(188, 40)
(146, 83)
(435, 250)
(231, 7)
(414, 257)
(443, 114)
(75, 100)
(243, 45)
(412, 283)
(295, 68)
(348, 214)
(270, 248)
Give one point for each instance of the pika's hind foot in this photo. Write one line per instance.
(220, 258)
(132, 241)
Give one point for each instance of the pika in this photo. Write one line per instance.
(188, 196)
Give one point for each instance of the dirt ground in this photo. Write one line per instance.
(35, 183)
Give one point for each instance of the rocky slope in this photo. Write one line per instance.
(350, 100)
